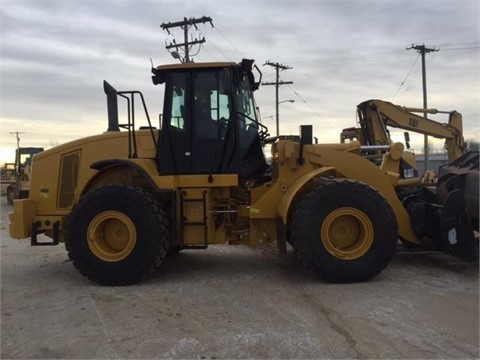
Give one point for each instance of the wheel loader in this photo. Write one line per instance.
(124, 200)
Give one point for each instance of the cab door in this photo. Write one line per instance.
(195, 137)
(174, 155)
(211, 118)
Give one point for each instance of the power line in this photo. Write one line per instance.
(367, 57)
(462, 48)
(241, 54)
(216, 47)
(406, 77)
(311, 107)
(462, 44)
(350, 59)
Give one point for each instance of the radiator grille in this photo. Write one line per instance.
(68, 179)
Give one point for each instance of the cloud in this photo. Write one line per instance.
(55, 55)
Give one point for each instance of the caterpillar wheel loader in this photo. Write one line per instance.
(123, 200)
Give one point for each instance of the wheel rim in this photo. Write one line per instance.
(347, 233)
(111, 236)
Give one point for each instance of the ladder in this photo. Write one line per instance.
(193, 215)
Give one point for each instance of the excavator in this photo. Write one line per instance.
(456, 183)
(375, 116)
(124, 200)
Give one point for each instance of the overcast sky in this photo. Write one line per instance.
(55, 55)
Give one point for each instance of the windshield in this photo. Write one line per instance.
(248, 121)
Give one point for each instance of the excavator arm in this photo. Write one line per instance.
(375, 115)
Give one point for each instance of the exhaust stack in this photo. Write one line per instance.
(112, 106)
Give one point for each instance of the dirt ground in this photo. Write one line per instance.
(235, 302)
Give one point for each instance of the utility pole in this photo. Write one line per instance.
(17, 153)
(186, 24)
(422, 49)
(16, 133)
(277, 84)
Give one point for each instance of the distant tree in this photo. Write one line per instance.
(430, 148)
(54, 143)
(473, 145)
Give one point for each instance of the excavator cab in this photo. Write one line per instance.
(210, 121)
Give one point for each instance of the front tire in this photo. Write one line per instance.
(344, 230)
(117, 235)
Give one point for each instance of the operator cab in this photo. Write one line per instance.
(210, 121)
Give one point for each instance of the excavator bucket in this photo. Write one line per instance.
(457, 229)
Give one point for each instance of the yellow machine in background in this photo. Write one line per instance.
(375, 116)
(19, 183)
(123, 200)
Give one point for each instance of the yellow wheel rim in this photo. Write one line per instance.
(111, 236)
(347, 233)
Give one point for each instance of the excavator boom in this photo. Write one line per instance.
(376, 115)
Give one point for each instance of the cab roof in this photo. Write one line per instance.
(161, 71)
(192, 65)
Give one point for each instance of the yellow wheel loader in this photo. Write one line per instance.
(123, 200)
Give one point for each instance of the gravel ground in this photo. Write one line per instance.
(235, 302)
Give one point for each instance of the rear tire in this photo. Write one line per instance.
(344, 230)
(117, 235)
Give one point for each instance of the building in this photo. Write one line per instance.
(434, 162)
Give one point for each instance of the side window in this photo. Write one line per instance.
(178, 113)
(220, 105)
